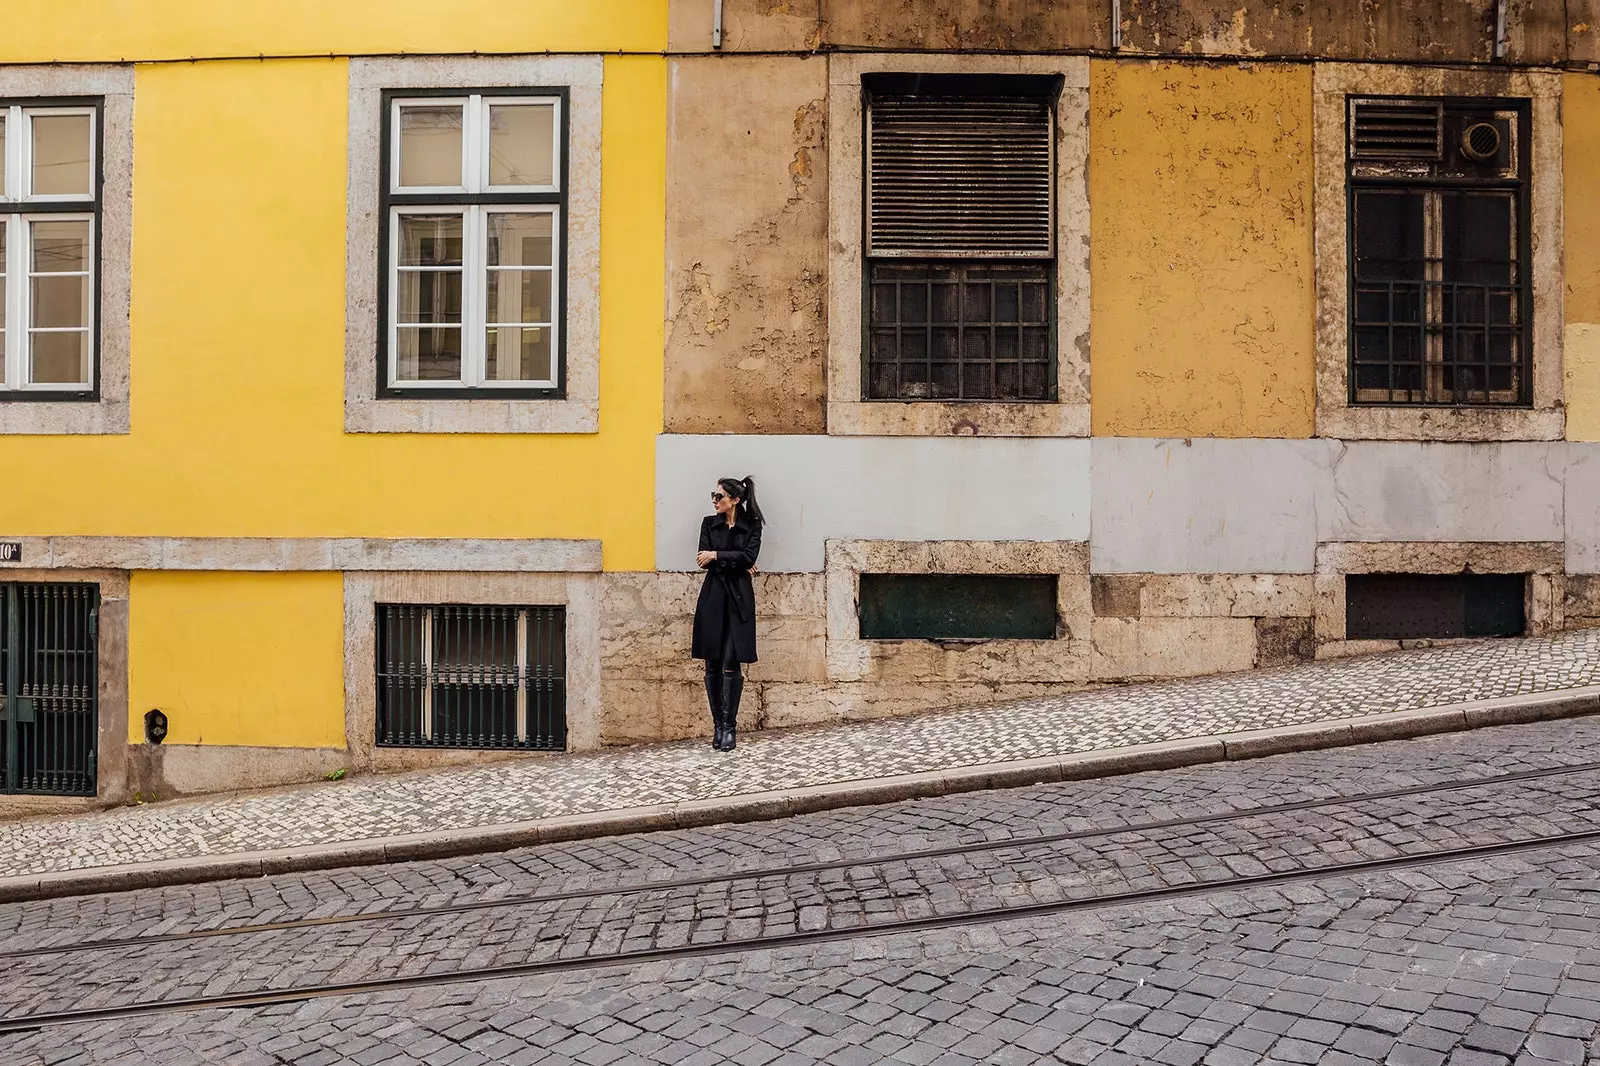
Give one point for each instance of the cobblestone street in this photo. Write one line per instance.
(1492, 957)
(574, 786)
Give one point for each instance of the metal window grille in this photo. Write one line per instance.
(960, 242)
(470, 676)
(49, 688)
(960, 331)
(1440, 302)
(1413, 606)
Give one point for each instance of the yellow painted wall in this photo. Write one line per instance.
(1202, 290)
(1580, 112)
(253, 659)
(238, 342)
(41, 31)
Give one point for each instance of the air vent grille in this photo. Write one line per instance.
(1397, 129)
(959, 178)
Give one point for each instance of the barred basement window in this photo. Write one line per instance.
(1417, 606)
(1440, 300)
(467, 676)
(958, 606)
(960, 237)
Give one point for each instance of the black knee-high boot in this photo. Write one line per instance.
(732, 689)
(714, 698)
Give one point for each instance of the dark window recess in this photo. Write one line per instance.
(1418, 606)
(958, 606)
(456, 676)
(49, 688)
(960, 238)
(1440, 303)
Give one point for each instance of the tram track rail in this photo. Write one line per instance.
(1019, 843)
(974, 916)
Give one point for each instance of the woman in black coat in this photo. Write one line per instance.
(725, 617)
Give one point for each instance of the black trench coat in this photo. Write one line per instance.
(728, 598)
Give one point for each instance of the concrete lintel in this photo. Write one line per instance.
(312, 553)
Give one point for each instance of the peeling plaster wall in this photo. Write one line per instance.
(1201, 260)
(747, 229)
(970, 25)
(1581, 146)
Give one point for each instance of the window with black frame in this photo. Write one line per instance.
(960, 237)
(474, 204)
(49, 248)
(1440, 301)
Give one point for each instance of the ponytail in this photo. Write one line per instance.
(744, 491)
(751, 508)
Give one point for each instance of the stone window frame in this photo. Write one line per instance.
(1335, 415)
(579, 411)
(850, 658)
(1543, 561)
(848, 413)
(107, 410)
(579, 593)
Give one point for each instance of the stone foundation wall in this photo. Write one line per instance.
(1114, 629)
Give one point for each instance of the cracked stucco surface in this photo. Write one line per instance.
(746, 246)
(1203, 302)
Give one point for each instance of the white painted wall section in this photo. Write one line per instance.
(1583, 508)
(816, 488)
(1206, 506)
(1400, 490)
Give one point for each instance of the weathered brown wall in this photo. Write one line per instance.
(747, 229)
(1538, 31)
(969, 25)
(747, 25)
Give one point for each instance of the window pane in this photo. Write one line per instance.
(60, 301)
(430, 240)
(430, 296)
(521, 240)
(60, 358)
(430, 145)
(428, 354)
(519, 296)
(521, 144)
(1389, 235)
(519, 354)
(1479, 238)
(61, 247)
(947, 330)
(61, 155)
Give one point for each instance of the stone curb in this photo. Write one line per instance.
(765, 806)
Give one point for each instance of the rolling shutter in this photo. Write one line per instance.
(959, 178)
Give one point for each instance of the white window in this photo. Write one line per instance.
(48, 191)
(474, 202)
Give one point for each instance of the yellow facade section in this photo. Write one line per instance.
(249, 659)
(47, 31)
(1202, 288)
(238, 342)
(1580, 112)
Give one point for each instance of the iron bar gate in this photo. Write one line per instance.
(49, 688)
(469, 676)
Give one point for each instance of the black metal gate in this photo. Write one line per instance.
(49, 688)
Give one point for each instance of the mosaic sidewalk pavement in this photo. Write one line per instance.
(372, 808)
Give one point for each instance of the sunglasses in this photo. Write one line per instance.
(718, 497)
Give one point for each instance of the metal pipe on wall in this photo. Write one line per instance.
(716, 23)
